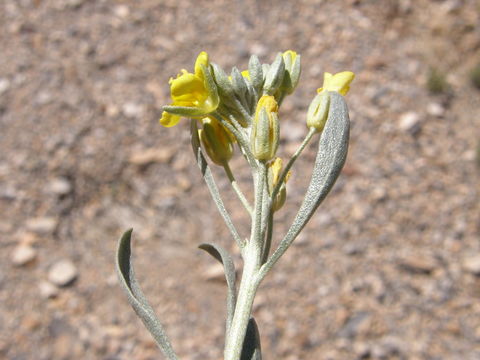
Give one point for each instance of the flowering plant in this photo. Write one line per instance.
(242, 110)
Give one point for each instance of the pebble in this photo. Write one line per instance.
(4, 85)
(417, 264)
(23, 254)
(42, 225)
(62, 273)
(122, 11)
(47, 290)
(60, 186)
(148, 156)
(435, 109)
(410, 122)
(132, 110)
(472, 264)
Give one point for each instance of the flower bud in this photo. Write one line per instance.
(274, 76)
(265, 129)
(216, 140)
(292, 71)
(274, 171)
(318, 111)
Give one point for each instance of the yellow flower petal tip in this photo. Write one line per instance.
(340, 82)
(194, 92)
(169, 120)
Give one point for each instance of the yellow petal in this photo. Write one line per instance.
(186, 86)
(169, 120)
(339, 82)
(202, 59)
(290, 53)
(246, 74)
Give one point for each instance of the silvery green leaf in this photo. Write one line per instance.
(256, 73)
(224, 84)
(208, 177)
(252, 98)
(136, 297)
(252, 349)
(210, 85)
(265, 69)
(226, 260)
(275, 75)
(238, 81)
(331, 155)
(185, 111)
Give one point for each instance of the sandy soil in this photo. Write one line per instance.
(389, 266)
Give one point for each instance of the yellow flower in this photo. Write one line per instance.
(193, 95)
(274, 171)
(340, 82)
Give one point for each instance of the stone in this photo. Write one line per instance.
(122, 11)
(47, 290)
(436, 110)
(472, 264)
(4, 85)
(132, 110)
(147, 156)
(42, 225)
(410, 122)
(62, 273)
(60, 186)
(417, 264)
(23, 254)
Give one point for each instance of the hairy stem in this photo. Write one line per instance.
(236, 188)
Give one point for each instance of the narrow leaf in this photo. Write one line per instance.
(208, 177)
(331, 155)
(251, 344)
(137, 299)
(224, 258)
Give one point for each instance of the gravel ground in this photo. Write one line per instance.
(388, 268)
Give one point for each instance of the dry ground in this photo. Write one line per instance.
(387, 269)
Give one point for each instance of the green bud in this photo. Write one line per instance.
(216, 140)
(265, 129)
(318, 111)
(256, 73)
(274, 77)
(292, 71)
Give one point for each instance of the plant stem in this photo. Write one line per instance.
(290, 163)
(249, 283)
(236, 188)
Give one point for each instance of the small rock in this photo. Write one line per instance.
(42, 225)
(62, 273)
(132, 110)
(472, 264)
(435, 109)
(23, 254)
(47, 290)
(410, 122)
(60, 186)
(4, 85)
(148, 156)
(418, 264)
(122, 11)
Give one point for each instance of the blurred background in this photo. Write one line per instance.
(388, 268)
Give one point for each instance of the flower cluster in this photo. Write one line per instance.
(243, 107)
